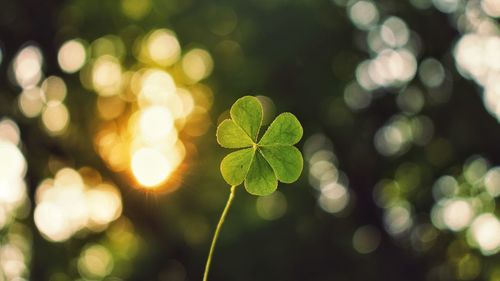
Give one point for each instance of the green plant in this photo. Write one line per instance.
(259, 164)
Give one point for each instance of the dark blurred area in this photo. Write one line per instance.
(109, 168)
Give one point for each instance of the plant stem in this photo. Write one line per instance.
(217, 230)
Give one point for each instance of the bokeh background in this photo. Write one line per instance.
(109, 169)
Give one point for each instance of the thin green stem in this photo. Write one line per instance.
(217, 230)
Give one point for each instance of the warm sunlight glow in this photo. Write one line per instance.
(67, 205)
(106, 75)
(110, 107)
(147, 108)
(158, 88)
(51, 222)
(163, 47)
(150, 167)
(155, 124)
(197, 64)
(104, 204)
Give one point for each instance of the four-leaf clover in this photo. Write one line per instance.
(259, 163)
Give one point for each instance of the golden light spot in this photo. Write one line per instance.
(104, 203)
(187, 101)
(118, 156)
(112, 148)
(155, 124)
(106, 75)
(67, 205)
(30, 102)
(197, 64)
(143, 138)
(54, 89)
(202, 95)
(72, 56)
(157, 88)
(110, 107)
(199, 122)
(68, 176)
(50, 221)
(55, 118)
(90, 176)
(150, 167)
(163, 47)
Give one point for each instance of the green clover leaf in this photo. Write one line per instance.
(260, 164)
